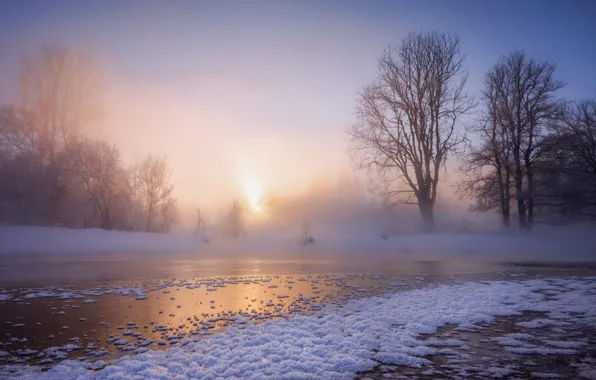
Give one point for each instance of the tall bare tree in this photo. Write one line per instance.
(527, 104)
(487, 168)
(408, 118)
(520, 104)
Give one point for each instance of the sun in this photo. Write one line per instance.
(252, 191)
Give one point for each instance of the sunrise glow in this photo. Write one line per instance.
(253, 191)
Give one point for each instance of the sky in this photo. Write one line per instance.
(236, 91)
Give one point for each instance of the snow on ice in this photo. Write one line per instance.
(339, 341)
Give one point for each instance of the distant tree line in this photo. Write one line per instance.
(53, 174)
(531, 155)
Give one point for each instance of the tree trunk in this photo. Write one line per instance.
(506, 218)
(519, 196)
(521, 212)
(106, 223)
(506, 196)
(149, 219)
(530, 178)
(427, 212)
(503, 197)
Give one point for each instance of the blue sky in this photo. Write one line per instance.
(277, 72)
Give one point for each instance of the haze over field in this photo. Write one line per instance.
(252, 101)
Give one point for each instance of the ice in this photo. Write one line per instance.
(338, 341)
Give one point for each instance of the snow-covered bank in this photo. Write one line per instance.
(341, 341)
(331, 244)
(48, 240)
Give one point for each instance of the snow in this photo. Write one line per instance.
(48, 240)
(521, 336)
(540, 323)
(589, 373)
(333, 243)
(5, 297)
(536, 350)
(498, 372)
(565, 344)
(545, 375)
(339, 341)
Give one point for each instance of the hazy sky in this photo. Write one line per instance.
(263, 89)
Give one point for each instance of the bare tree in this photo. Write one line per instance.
(520, 105)
(97, 165)
(59, 93)
(527, 105)
(168, 215)
(152, 181)
(305, 236)
(580, 125)
(487, 168)
(565, 172)
(408, 118)
(235, 221)
(201, 222)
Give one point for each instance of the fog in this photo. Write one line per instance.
(213, 150)
(264, 94)
(213, 153)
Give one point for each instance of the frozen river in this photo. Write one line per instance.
(106, 307)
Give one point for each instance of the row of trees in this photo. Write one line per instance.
(52, 173)
(537, 152)
(530, 152)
